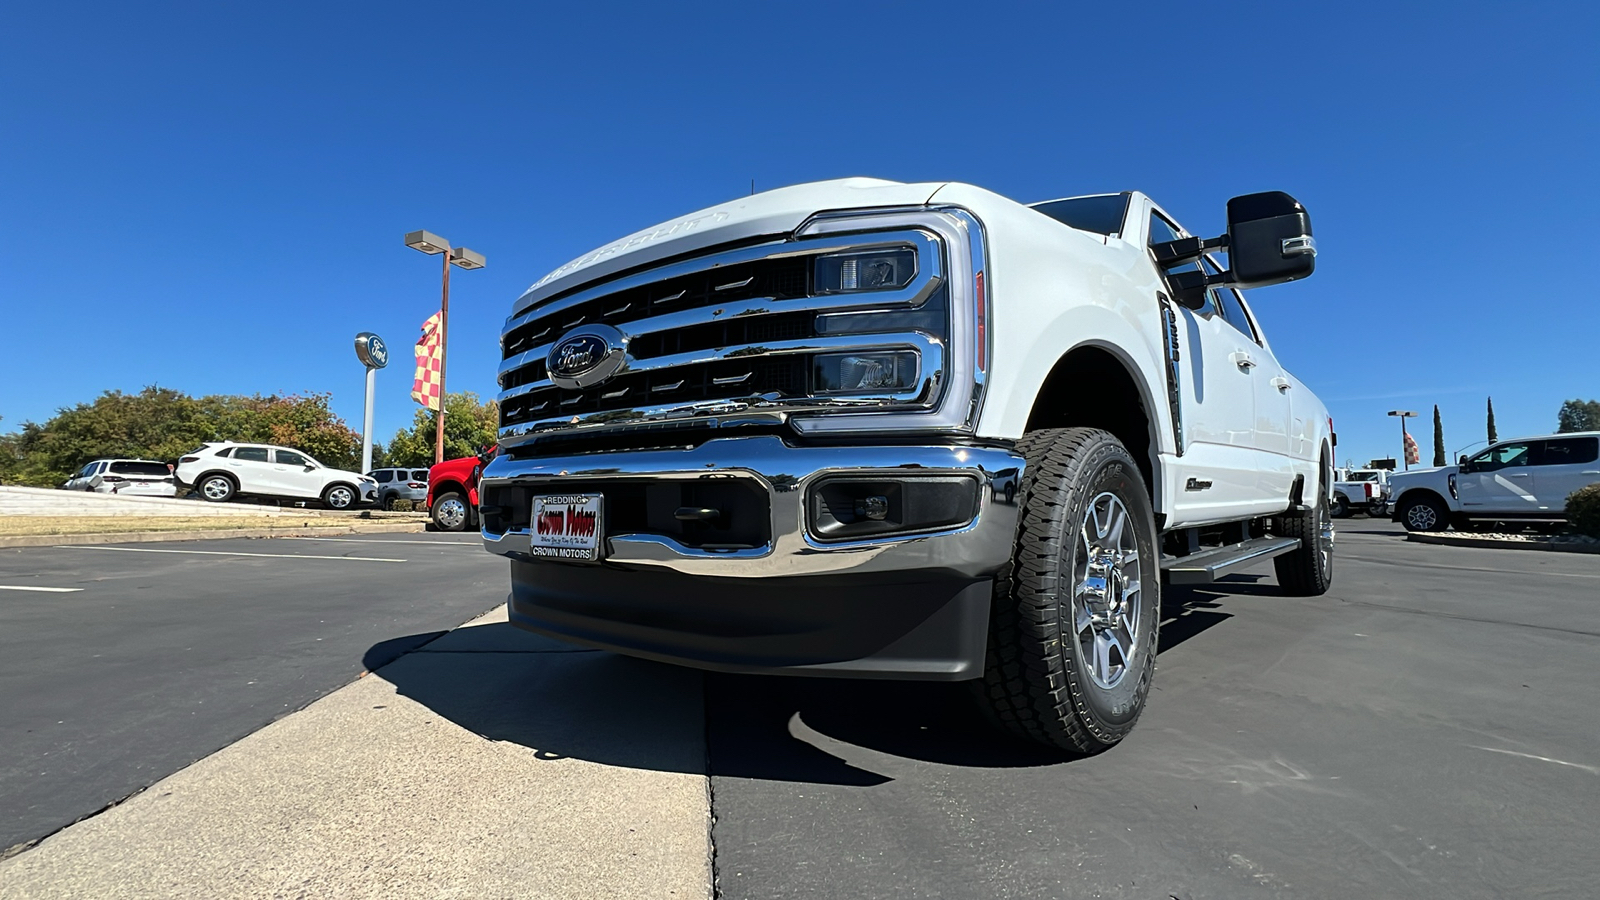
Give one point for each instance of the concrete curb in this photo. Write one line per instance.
(145, 537)
(1497, 544)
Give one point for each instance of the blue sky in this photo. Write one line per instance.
(212, 196)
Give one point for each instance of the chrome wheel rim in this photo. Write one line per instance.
(217, 489)
(1422, 517)
(1325, 540)
(452, 513)
(340, 497)
(1106, 592)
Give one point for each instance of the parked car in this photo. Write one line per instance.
(400, 484)
(1525, 480)
(453, 491)
(225, 470)
(1360, 490)
(127, 477)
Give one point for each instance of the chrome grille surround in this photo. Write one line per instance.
(948, 243)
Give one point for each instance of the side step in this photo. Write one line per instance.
(1207, 566)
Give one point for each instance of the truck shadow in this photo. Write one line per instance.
(566, 702)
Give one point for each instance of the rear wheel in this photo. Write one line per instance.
(450, 512)
(1308, 570)
(1072, 636)
(1424, 514)
(1341, 507)
(218, 488)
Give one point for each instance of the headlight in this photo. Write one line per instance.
(840, 273)
(854, 373)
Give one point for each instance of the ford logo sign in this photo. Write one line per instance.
(587, 356)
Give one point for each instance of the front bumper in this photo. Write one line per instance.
(895, 606)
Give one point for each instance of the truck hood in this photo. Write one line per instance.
(773, 212)
(1417, 474)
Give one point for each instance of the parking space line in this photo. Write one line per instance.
(381, 541)
(230, 553)
(42, 590)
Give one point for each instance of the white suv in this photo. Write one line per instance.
(1522, 480)
(127, 477)
(225, 470)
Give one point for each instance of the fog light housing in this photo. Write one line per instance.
(842, 273)
(856, 507)
(856, 373)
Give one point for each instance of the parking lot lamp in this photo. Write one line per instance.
(1405, 449)
(434, 245)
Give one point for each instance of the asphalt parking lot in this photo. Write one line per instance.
(124, 663)
(1426, 729)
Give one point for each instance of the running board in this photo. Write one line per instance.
(1207, 566)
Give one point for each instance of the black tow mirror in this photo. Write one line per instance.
(1269, 240)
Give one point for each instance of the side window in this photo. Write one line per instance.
(1162, 231)
(290, 458)
(1502, 457)
(419, 475)
(226, 451)
(250, 454)
(1568, 451)
(384, 476)
(86, 471)
(1233, 312)
(100, 468)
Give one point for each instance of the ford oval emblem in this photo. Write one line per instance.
(587, 356)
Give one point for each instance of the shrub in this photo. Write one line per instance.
(1583, 510)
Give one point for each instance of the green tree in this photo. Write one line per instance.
(1438, 438)
(469, 426)
(1579, 415)
(1493, 434)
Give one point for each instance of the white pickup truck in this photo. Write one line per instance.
(1525, 481)
(1360, 490)
(861, 428)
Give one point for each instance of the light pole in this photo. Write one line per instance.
(1405, 451)
(431, 244)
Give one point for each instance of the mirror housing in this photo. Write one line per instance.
(1269, 240)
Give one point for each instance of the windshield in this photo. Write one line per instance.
(139, 468)
(1100, 215)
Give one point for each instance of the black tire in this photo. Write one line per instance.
(451, 512)
(1340, 508)
(340, 496)
(1037, 681)
(388, 502)
(1308, 570)
(217, 488)
(1424, 513)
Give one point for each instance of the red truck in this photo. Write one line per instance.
(453, 491)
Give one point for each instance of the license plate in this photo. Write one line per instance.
(566, 526)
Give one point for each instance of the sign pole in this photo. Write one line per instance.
(366, 423)
(374, 354)
(444, 324)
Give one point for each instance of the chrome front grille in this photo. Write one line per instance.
(728, 334)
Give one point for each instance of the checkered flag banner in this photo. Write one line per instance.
(1413, 455)
(425, 388)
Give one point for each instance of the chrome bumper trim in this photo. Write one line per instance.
(786, 473)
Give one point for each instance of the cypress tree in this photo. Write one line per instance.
(1438, 438)
(1493, 435)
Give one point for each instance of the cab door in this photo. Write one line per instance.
(250, 466)
(1221, 467)
(1272, 430)
(1564, 465)
(1499, 480)
(295, 474)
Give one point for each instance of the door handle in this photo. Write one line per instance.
(1282, 384)
(1242, 360)
(1518, 475)
(1590, 472)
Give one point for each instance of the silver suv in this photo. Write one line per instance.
(401, 484)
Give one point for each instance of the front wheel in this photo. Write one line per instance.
(450, 512)
(1074, 619)
(1424, 514)
(339, 496)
